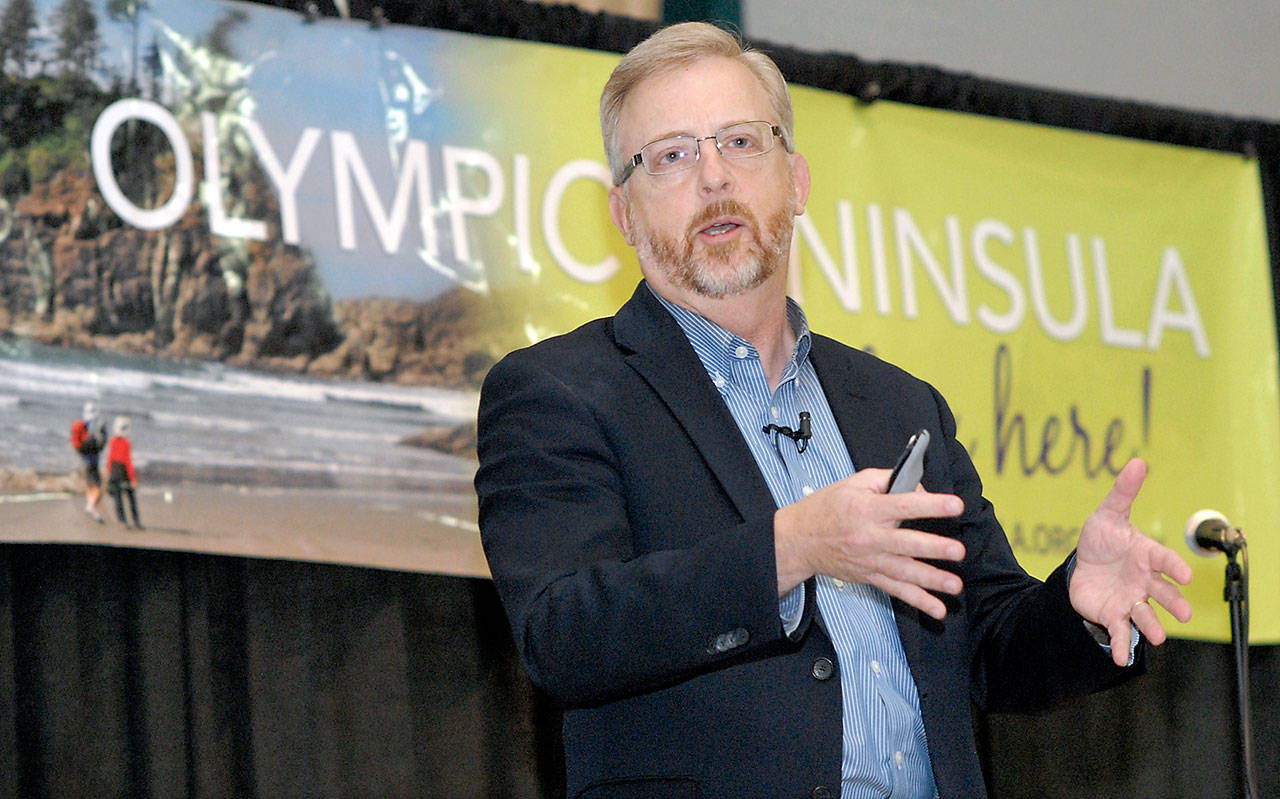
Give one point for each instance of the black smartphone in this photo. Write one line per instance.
(910, 467)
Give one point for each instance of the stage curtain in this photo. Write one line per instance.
(139, 673)
(129, 672)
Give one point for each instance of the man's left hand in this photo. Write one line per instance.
(1118, 570)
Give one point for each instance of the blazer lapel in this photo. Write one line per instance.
(656, 347)
(875, 438)
(864, 423)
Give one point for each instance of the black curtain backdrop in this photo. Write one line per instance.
(135, 673)
(159, 674)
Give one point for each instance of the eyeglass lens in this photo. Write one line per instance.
(678, 153)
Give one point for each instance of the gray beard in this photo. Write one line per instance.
(712, 272)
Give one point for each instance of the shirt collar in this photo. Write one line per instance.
(717, 347)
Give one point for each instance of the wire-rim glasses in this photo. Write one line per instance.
(679, 153)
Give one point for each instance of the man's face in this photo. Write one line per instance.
(723, 226)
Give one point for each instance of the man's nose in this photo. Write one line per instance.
(714, 172)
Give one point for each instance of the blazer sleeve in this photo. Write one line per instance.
(1029, 649)
(595, 615)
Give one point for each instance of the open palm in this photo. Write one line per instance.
(1118, 569)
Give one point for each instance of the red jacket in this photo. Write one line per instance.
(118, 451)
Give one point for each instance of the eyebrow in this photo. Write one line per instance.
(691, 135)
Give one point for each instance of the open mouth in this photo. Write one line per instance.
(721, 221)
(722, 227)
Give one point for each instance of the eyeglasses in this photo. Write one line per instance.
(678, 153)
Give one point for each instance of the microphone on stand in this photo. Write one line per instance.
(1209, 532)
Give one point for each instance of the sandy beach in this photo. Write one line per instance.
(423, 532)
(238, 462)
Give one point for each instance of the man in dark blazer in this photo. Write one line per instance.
(695, 597)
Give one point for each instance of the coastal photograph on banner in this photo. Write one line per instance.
(174, 251)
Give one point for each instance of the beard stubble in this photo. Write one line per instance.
(720, 270)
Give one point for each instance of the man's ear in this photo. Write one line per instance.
(618, 212)
(800, 181)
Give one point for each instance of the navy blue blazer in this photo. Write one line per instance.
(630, 537)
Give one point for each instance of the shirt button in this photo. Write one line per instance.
(718, 380)
(807, 491)
(823, 668)
(898, 758)
(875, 666)
(741, 351)
(774, 411)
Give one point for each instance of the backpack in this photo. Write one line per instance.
(82, 440)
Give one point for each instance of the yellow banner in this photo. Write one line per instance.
(1079, 299)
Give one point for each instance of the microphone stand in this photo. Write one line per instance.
(1236, 594)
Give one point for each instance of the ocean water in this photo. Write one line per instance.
(205, 422)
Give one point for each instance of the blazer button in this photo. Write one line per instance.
(823, 792)
(726, 641)
(823, 668)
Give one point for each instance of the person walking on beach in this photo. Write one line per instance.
(122, 480)
(88, 437)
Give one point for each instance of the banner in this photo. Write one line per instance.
(289, 251)
(1079, 299)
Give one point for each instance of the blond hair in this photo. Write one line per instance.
(679, 46)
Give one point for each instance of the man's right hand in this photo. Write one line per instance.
(850, 530)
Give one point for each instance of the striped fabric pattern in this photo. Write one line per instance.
(884, 741)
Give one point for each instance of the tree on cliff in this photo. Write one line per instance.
(16, 44)
(78, 40)
(129, 11)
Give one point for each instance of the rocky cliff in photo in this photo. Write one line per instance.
(72, 274)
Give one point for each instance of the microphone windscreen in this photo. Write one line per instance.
(1205, 524)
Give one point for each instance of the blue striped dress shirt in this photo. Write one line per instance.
(884, 751)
